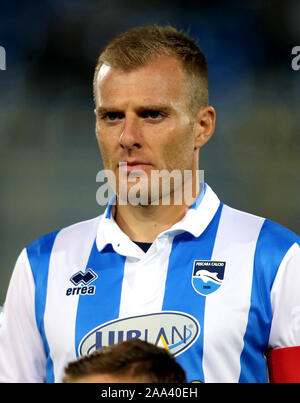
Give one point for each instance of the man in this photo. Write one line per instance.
(131, 361)
(217, 287)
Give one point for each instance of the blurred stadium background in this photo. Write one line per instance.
(48, 152)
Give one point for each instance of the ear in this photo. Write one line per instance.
(204, 125)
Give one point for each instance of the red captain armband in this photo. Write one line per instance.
(284, 365)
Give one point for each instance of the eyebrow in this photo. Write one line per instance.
(154, 107)
(101, 111)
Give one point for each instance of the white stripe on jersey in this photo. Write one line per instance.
(285, 329)
(19, 336)
(237, 235)
(144, 280)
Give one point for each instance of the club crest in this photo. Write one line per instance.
(207, 276)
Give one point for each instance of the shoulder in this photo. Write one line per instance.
(70, 237)
(271, 235)
(275, 246)
(274, 236)
(273, 242)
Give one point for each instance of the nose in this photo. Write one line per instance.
(131, 135)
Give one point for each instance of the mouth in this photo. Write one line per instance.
(130, 166)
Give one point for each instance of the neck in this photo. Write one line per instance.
(145, 223)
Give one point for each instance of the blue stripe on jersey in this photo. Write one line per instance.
(104, 305)
(39, 256)
(273, 243)
(111, 203)
(200, 197)
(181, 296)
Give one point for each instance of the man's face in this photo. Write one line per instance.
(144, 119)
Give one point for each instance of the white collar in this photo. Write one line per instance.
(195, 221)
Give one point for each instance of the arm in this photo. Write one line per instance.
(284, 341)
(22, 356)
(284, 365)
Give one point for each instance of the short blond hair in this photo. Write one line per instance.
(141, 45)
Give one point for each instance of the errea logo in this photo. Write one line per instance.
(82, 281)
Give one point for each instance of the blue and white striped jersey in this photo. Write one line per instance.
(218, 289)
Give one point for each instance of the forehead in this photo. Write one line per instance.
(160, 80)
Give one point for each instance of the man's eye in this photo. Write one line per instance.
(112, 116)
(152, 114)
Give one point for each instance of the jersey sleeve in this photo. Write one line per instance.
(22, 356)
(285, 301)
